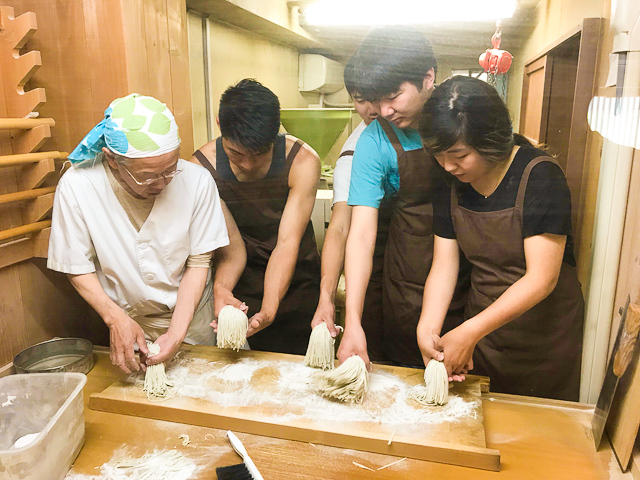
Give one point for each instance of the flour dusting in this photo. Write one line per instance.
(158, 465)
(285, 390)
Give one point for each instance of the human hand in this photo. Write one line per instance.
(259, 321)
(221, 298)
(326, 312)
(124, 332)
(458, 345)
(169, 344)
(354, 342)
(429, 344)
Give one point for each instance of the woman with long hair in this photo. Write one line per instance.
(508, 209)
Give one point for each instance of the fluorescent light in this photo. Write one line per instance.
(405, 12)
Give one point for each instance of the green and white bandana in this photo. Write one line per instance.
(135, 126)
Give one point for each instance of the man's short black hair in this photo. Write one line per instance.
(249, 116)
(390, 56)
(352, 72)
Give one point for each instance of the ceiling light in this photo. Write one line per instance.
(405, 12)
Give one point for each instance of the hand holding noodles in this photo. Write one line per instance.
(156, 384)
(347, 383)
(436, 388)
(321, 349)
(232, 328)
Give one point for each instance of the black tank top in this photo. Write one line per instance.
(278, 159)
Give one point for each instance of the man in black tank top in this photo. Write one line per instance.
(268, 183)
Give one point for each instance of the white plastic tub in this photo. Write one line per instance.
(51, 405)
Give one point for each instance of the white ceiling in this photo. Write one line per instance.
(451, 39)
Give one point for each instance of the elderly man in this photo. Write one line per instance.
(135, 227)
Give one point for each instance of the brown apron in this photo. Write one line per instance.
(539, 353)
(257, 208)
(409, 253)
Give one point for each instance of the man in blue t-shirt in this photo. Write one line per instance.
(398, 74)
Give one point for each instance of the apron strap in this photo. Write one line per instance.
(454, 194)
(525, 179)
(391, 135)
(346, 153)
(293, 152)
(206, 163)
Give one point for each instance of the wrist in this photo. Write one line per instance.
(221, 290)
(326, 300)
(351, 323)
(269, 308)
(112, 316)
(327, 297)
(176, 334)
(425, 327)
(269, 315)
(473, 329)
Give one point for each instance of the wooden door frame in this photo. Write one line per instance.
(541, 62)
(590, 32)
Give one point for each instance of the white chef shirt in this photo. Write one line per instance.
(342, 172)
(140, 271)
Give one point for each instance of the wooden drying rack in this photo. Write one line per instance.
(25, 209)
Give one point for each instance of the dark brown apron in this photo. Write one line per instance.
(539, 353)
(257, 208)
(409, 253)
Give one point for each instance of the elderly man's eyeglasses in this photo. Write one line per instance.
(155, 178)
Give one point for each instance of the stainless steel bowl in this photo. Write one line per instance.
(56, 355)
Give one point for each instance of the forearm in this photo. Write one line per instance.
(228, 264)
(333, 251)
(516, 300)
(278, 275)
(189, 295)
(358, 265)
(89, 288)
(438, 292)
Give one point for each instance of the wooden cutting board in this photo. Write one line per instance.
(269, 394)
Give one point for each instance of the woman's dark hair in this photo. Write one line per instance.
(469, 110)
(249, 115)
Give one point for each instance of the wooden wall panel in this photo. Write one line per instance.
(104, 41)
(81, 64)
(134, 30)
(157, 57)
(94, 51)
(178, 28)
(157, 50)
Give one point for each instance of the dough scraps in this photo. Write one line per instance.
(232, 328)
(321, 349)
(435, 390)
(347, 383)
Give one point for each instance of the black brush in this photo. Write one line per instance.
(234, 472)
(242, 471)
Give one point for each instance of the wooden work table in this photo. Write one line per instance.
(537, 439)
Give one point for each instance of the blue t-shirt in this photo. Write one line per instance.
(374, 174)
